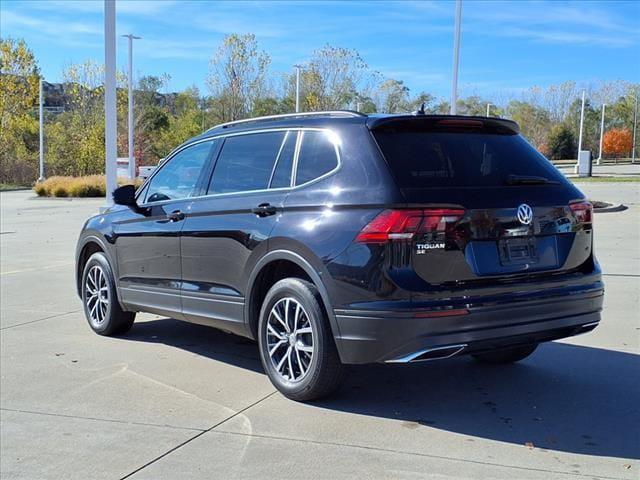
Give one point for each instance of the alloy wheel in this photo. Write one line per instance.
(96, 295)
(290, 339)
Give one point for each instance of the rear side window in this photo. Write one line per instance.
(282, 172)
(459, 159)
(246, 162)
(317, 156)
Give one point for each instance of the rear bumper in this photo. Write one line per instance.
(367, 336)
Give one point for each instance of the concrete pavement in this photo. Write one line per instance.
(174, 400)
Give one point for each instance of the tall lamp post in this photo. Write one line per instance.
(110, 98)
(635, 125)
(488, 108)
(132, 160)
(456, 58)
(41, 119)
(297, 67)
(601, 134)
(581, 123)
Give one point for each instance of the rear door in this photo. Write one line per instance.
(228, 229)
(486, 204)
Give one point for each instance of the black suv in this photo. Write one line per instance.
(338, 238)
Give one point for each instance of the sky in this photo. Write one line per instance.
(506, 47)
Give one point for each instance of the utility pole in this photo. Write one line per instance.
(488, 107)
(297, 67)
(41, 118)
(581, 123)
(132, 160)
(601, 135)
(456, 58)
(110, 98)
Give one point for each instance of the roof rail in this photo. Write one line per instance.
(349, 113)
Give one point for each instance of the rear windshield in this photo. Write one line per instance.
(460, 159)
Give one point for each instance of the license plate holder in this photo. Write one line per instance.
(518, 251)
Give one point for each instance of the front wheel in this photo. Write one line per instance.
(506, 355)
(297, 348)
(101, 306)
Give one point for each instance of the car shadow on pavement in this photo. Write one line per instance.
(564, 397)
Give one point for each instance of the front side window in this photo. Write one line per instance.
(246, 162)
(317, 156)
(178, 178)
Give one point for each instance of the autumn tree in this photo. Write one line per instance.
(19, 85)
(238, 75)
(617, 142)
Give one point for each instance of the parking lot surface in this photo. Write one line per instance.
(173, 400)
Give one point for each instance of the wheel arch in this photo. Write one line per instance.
(254, 295)
(89, 245)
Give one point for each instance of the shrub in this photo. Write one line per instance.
(87, 186)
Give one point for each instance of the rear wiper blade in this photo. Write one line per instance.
(529, 180)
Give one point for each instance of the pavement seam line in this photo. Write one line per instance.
(171, 450)
(40, 319)
(387, 450)
(96, 419)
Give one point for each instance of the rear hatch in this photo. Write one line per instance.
(481, 203)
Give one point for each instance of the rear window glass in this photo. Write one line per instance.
(442, 159)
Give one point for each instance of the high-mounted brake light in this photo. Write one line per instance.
(583, 211)
(403, 224)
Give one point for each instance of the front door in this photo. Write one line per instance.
(148, 238)
(227, 231)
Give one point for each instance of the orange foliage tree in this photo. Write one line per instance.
(617, 141)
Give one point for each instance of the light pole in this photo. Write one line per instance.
(110, 99)
(41, 118)
(581, 123)
(635, 124)
(488, 107)
(456, 58)
(132, 160)
(601, 134)
(297, 67)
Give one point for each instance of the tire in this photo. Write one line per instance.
(506, 355)
(303, 364)
(100, 301)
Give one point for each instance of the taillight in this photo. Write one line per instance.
(582, 211)
(404, 224)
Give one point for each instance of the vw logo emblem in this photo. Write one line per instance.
(525, 214)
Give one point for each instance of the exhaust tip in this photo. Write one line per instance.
(437, 353)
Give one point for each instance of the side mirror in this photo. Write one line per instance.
(125, 195)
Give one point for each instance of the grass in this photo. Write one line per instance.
(87, 186)
(605, 179)
(11, 186)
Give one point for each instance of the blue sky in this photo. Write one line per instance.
(507, 47)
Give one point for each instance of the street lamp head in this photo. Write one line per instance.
(132, 37)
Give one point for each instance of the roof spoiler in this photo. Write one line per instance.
(443, 121)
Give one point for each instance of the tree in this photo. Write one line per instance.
(395, 96)
(238, 75)
(561, 143)
(19, 85)
(534, 121)
(332, 78)
(617, 141)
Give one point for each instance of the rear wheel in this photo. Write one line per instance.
(297, 348)
(101, 306)
(506, 355)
